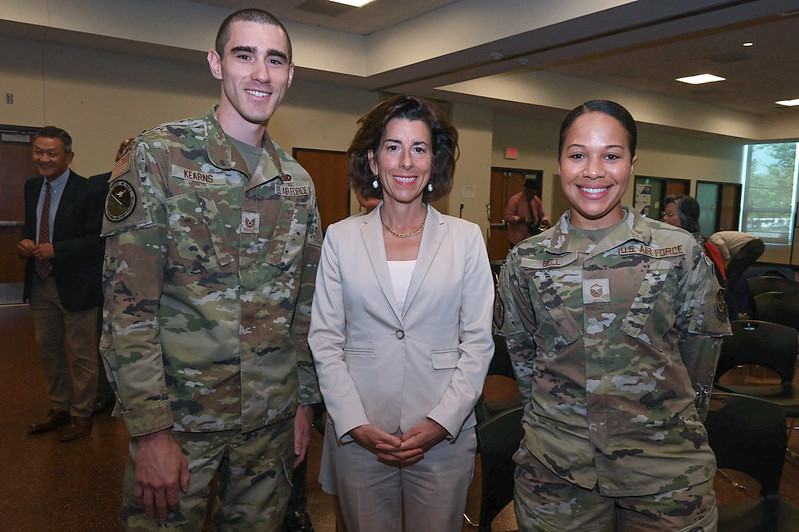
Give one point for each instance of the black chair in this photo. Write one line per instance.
(748, 435)
(500, 378)
(497, 440)
(767, 345)
(771, 283)
(777, 307)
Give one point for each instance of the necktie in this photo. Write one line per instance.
(43, 267)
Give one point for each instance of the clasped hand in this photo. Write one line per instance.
(400, 451)
(28, 248)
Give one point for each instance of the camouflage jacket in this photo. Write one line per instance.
(208, 281)
(614, 345)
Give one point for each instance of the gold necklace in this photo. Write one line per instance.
(405, 235)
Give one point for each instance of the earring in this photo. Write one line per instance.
(375, 183)
(430, 187)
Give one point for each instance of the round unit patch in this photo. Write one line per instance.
(120, 201)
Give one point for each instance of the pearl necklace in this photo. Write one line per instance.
(405, 235)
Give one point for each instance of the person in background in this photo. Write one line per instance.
(364, 203)
(212, 245)
(738, 251)
(105, 397)
(101, 180)
(64, 252)
(401, 330)
(683, 211)
(613, 322)
(524, 213)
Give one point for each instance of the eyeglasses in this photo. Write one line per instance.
(664, 214)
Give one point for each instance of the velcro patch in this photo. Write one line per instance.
(121, 166)
(200, 177)
(120, 201)
(288, 190)
(596, 291)
(657, 253)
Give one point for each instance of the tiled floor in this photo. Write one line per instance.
(75, 487)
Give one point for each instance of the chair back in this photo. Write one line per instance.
(497, 440)
(748, 434)
(777, 307)
(771, 283)
(759, 343)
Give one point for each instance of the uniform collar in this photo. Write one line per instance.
(225, 156)
(633, 227)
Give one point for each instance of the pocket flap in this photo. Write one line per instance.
(445, 359)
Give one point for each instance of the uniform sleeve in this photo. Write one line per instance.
(513, 318)
(308, 384)
(133, 276)
(701, 324)
(476, 342)
(327, 337)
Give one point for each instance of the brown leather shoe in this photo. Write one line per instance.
(53, 420)
(77, 427)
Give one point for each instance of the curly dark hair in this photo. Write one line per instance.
(372, 128)
(687, 211)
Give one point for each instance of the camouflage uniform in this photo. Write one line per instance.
(208, 281)
(614, 345)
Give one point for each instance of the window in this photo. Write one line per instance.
(770, 191)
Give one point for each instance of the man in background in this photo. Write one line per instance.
(212, 245)
(64, 252)
(524, 213)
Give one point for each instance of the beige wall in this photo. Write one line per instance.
(102, 97)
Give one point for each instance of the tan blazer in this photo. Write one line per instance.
(377, 365)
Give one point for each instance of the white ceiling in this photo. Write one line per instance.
(427, 47)
(378, 15)
(756, 76)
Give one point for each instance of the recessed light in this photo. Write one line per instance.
(353, 3)
(701, 78)
(789, 103)
(748, 44)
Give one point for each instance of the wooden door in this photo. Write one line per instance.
(16, 166)
(505, 182)
(329, 172)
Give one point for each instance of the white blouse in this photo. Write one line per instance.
(401, 271)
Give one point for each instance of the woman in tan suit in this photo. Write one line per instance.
(401, 330)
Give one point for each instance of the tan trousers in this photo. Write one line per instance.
(72, 380)
(430, 494)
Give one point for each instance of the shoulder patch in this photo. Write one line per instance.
(120, 201)
(122, 165)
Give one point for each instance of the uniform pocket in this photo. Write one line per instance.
(196, 245)
(288, 238)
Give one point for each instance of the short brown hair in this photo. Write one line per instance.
(372, 128)
(247, 15)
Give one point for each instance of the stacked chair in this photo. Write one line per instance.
(748, 435)
(499, 433)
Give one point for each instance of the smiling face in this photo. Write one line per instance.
(50, 157)
(595, 169)
(671, 216)
(403, 161)
(255, 72)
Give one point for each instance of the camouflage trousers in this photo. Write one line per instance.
(253, 475)
(545, 502)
